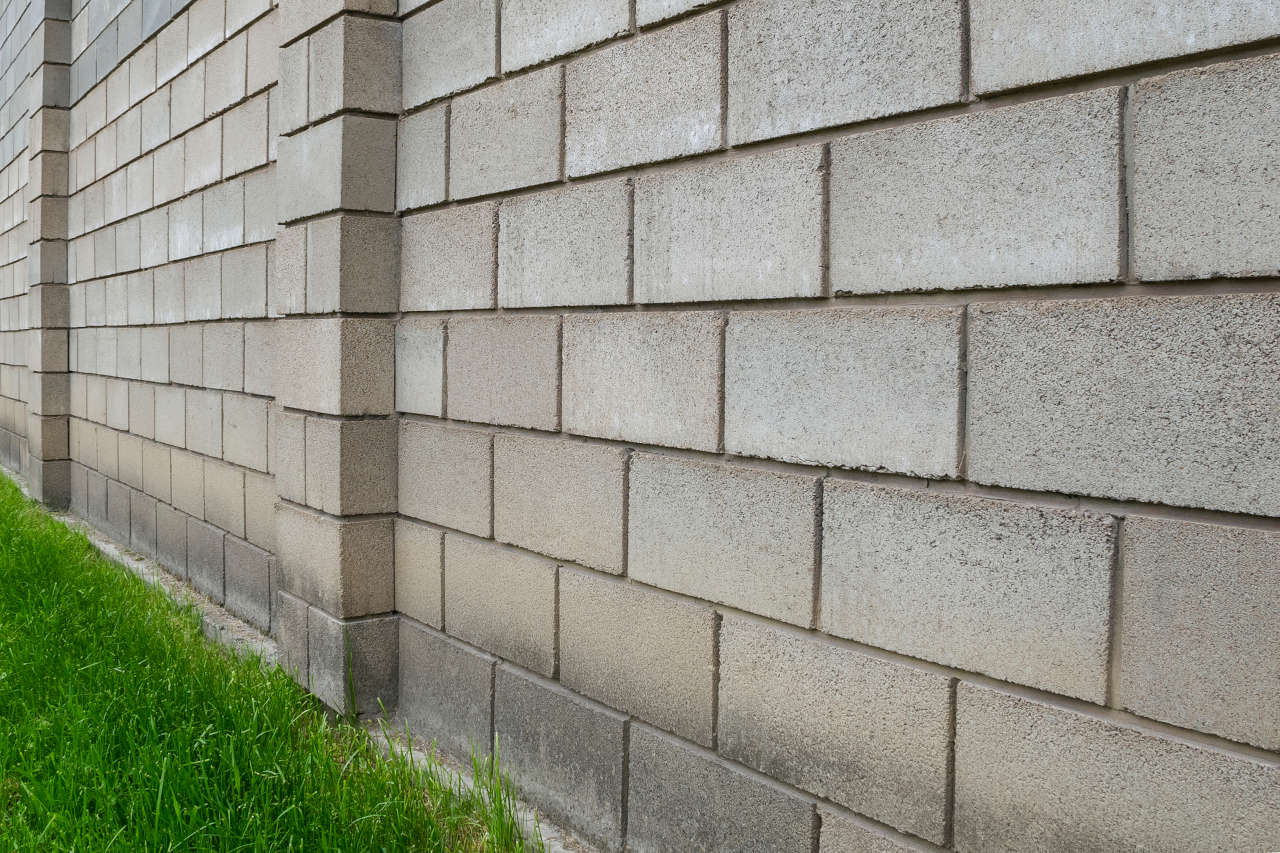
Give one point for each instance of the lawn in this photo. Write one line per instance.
(121, 728)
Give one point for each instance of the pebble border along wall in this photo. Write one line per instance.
(788, 425)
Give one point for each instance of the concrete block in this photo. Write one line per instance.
(204, 422)
(289, 433)
(223, 356)
(560, 498)
(534, 31)
(244, 431)
(934, 206)
(354, 65)
(344, 566)
(353, 665)
(339, 366)
(139, 192)
(298, 16)
(1206, 161)
(563, 752)
(206, 20)
(260, 511)
(445, 476)
(566, 246)
(130, 453)
(287, 289)
(862, 731)
(171, 415)
(116, 520)
(202, 284)
(187, 472)
(448, 47)
(248, 582)
(244, 282)
(680, 797)
(289, 619)
(155, 116)
(260, 200)
(293, 73)
(644, 652)
(96, 498)
(653, 97)
(870, 388)
(170, 293)
(241, 12)
(1016, 44)
(1021, 593)
(1195, 641)
(263, 60)
(169, 171)
(205, 565)
(351, 465)
(501, 600)
(1030, 776)
(420, 366)
(420, 158)
(419, 572)
(155, 471)
(446, 691)
(186, 99)
(346, 162)
(171, 539)
(353, 264)
(652, 378)
(223, 215)
(506, 135)
(186, 227)
(1071, 396)
(746, 228)
(732, 535)
(224, 78)
(224, 496)
(245, 143)
(448, 259)
(505, 370)
(117, 404)
(844, 832)
(796, 65)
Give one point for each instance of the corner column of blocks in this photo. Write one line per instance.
(48, 457)
(337, 289)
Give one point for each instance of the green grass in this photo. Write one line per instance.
(121, 728)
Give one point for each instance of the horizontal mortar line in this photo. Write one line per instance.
(342, 112)
(164, 444)
(1032, 497)
(369, 516)
(268, 399)
(330, 416)
(335, 211)
(1126, 719)
(341, 13)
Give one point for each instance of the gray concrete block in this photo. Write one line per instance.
(683, 798)
(204, 422)
(353, 665)
(344, 566)
(445, 476)
(535, 31)
(447, 262)
(1030, 776)
(346, 162)
(844, 832)
(654, 97)
(420, 366)
(1206, 170)
(862, 731)
(339, 366)
(651, 378)
(142, 522)
(420, 158)
(566, 246)
(746, 228)
(289, 625)
(1025, 195)
(248, 581)
(446, 691)
(1015, 43)
(223, 356)
(448, 47)
(224, 496)
(419, 572)
(293, 74)
(353, 64)
(732, 535)
(501, 600)
(560, 498)
(1018, 592)
(171, 539)
(505, 370)
(875, 388)
(187, 474)
(564, 754)
(645, 652)
(506, 135)
(298, 16)
(205, 564)
(1072, 396)
(1197, 633)
(796, 65)
(351, 465)
(289, 434)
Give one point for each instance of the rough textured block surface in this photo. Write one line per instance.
(1197, 599)
(419, 573)
(932, 206)
(505, 370)
(844, 833)
(448, 47)
(732, 535)
(343, 566)
(420, 160)
(1034, 777)
(420, 366)
(862, 731)
(534, 31)
(446, 691)
(445, 476)
(351, 465)
(863, 388)
(1018, 592)
(506, 136)
(447, 261)
(1072, 397)
(353, 664)
(340, 366)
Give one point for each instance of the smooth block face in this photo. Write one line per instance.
(505, 370)
(747, 228)
(862, 731)
(736, 536)
(343, 566)
(419, 571)
(506, 136)
(795, 65)
(645, 652)
(445, 691)
(1025, 195)
(563, 752)
(534, 31)
(651, 378)
(1018, 592)
(684, 798)
(1206, 171)
(447, 261)
(870, 388)
(1076, 396)
(650, 98)
(501, 600)
(1199, 631)
(565, 246)
(560, 498)
(1033, 777)
(1019, 42)
(420, 366)
(445, 476)
(448, 47)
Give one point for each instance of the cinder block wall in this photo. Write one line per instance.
(782, 424)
